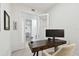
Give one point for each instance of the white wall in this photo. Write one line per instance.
(16, 35)
(4, 34)
(0, 16)
(66, 16)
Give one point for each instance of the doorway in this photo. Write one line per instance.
(29, 27)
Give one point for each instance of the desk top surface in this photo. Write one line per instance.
(44, 44)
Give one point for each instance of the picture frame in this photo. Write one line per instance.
(6, 21)
(14, 25)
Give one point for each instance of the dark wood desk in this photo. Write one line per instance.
(45, 44)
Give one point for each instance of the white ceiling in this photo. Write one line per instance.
(41, 7)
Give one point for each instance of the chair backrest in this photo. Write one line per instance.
(66, 50)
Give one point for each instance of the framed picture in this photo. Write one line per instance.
(6, 21)
(14, 25)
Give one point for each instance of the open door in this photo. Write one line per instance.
(43, 25)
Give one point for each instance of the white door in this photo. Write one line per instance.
(44, 24)
(34, 29)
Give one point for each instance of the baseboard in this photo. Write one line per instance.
(17, 50)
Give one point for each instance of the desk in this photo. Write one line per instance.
(37, 46)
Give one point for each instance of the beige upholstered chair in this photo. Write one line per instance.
(66, 50)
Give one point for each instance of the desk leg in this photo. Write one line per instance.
(37, 53)
(34, 54)
(55, 49)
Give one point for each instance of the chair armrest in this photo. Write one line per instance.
(46, 53)
(54, 54)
